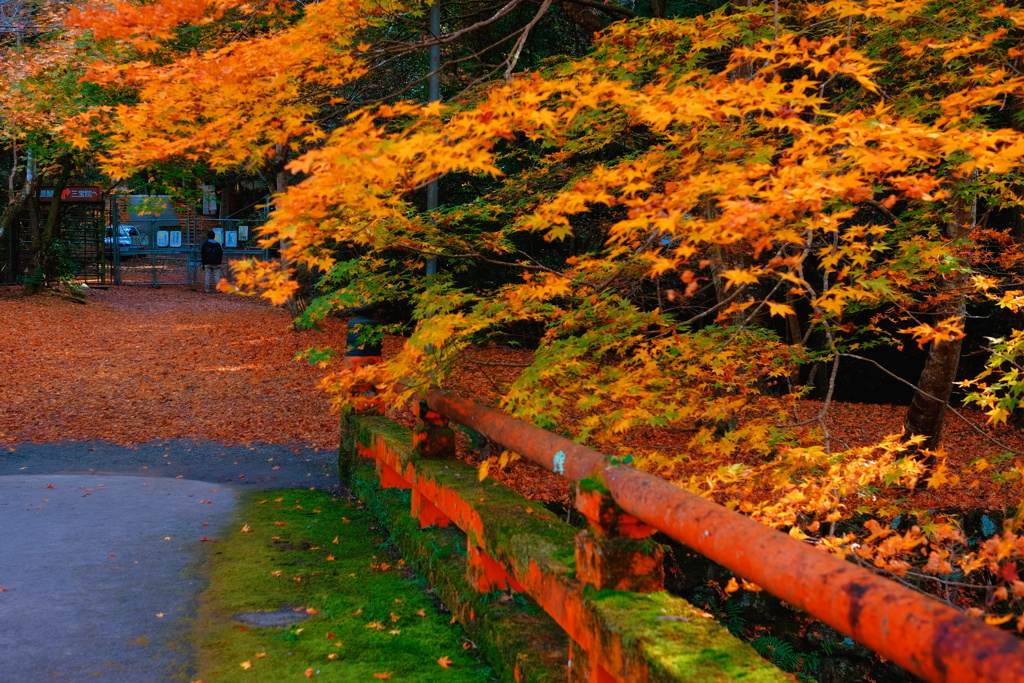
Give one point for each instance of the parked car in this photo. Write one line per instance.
(127, 237)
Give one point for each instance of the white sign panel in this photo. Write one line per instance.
(230, 238)
(218, 234)
(243, 233)
(175, 238)
(162, 238)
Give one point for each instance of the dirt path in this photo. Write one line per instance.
(137, 364)
(129, 427)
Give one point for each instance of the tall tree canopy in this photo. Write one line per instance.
(680, 213)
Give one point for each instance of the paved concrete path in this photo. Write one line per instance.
(99, 560)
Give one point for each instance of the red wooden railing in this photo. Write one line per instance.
(926, 637)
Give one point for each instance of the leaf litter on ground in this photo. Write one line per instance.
(137, 364)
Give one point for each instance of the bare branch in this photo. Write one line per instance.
(473, 255)
(455, 35)
(605, 7)
(518, 48)
(971, 424)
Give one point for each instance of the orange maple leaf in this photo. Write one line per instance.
(444, 662)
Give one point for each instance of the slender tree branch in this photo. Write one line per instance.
(956, 412)
(518, 48)
(605, 7)
(477, 361)
(881, 207)
(474, 255)
(453, 36)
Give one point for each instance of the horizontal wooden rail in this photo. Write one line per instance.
(924, 636)
(606, 617)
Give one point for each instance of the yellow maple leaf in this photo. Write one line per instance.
(734, 276)
(997, 415)
(775, 308)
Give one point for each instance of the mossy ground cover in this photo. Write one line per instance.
(369, 617)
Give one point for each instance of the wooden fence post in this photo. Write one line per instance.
(614, 553)
(364, 395)
(432, 437)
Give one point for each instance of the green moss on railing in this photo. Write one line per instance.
(659, 633)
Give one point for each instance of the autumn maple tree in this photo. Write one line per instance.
(680, 220)
(39, 89)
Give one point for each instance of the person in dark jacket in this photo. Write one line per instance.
(211, 255)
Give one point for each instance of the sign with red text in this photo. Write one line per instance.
(73, 194)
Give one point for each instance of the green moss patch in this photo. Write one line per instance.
(679, 641)
(661, 634)
(368, 614)
(522, 642)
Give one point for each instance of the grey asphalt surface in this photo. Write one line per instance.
(101, 548)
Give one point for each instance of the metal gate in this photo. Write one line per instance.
(156, 245)
(77, 251)
(147, 241)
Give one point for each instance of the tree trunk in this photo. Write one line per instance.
(17, 205)
(298, 301)
(732, 257)
(591, 19)
(927, 411)
(42, 239)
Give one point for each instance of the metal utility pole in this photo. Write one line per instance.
(435, 95)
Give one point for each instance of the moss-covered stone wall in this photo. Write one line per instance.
(652, 636)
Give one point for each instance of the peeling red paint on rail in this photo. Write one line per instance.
(926, 637)
(562, 599)
(576, 462)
